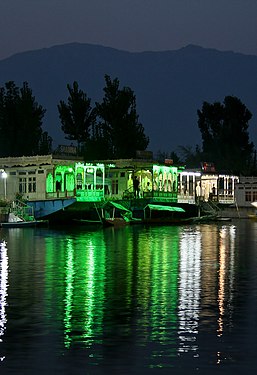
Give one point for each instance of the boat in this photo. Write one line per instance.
(20, 215)
(158, 214)
(17, 222)
(46, 207)
(115, 214)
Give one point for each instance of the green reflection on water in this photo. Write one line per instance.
(98, 280)
(81, 282)
(69, 293)
(158, 274)
(165, 279)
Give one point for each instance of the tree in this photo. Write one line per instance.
(77, 116)
(45, 144)
(20, 121)
(225, 138)
(119, 128)
(189, 156)
(162, 155)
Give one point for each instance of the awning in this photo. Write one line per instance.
(158, 207)
(117, 205)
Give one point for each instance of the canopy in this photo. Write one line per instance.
(117, 205)
(158, 207)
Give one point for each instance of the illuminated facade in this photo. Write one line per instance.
(51, 177)
(197, 185)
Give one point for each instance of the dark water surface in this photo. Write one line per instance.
(134, 300)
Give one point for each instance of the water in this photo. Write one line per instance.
(133, 300)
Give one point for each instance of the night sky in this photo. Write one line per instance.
(131, 25)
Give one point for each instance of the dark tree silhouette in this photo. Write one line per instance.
(20, 121)
(225, 138)
(77, 116)
(119, 128)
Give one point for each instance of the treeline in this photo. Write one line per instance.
(111, 128)
(21, 122)
(225, 139)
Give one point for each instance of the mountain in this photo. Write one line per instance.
(170, 86)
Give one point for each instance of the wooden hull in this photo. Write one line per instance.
(45, 208)
(23, 224)
(116, 222)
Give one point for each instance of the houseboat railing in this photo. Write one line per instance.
(164, 196)
(226, 199)
(90, 195)
(22, 210)
(98, 195)
(60, 194)
(186, 198)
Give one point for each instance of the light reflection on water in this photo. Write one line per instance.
(3, 290)
(128, 299)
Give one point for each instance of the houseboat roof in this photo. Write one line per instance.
(159, 207)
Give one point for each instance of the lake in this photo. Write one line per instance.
(131, 300)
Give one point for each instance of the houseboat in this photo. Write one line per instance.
(63, 186)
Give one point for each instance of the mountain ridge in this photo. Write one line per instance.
(170, 86)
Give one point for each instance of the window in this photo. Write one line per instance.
(32, 185)
(254, 196)
(248, 196)
(22, 185)
(114, 186)
(79, 181)
(27, 185)
(221, 183)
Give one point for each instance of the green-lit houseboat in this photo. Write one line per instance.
(66, 187)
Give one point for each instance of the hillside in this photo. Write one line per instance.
(170, 86)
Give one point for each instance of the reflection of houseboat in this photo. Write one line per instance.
(68, 187)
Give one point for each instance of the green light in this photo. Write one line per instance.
(164, 294)
(49, 183)
(80, 263)
(69, 279)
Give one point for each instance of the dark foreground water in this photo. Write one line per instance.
(134, 300)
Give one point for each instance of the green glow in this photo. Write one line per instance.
(165, 178)
(69, 181)
(64, 176)
(68, 294)
(164, 294)
(49, 183)
(81, 265)
(89, 196)
(90, 182)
